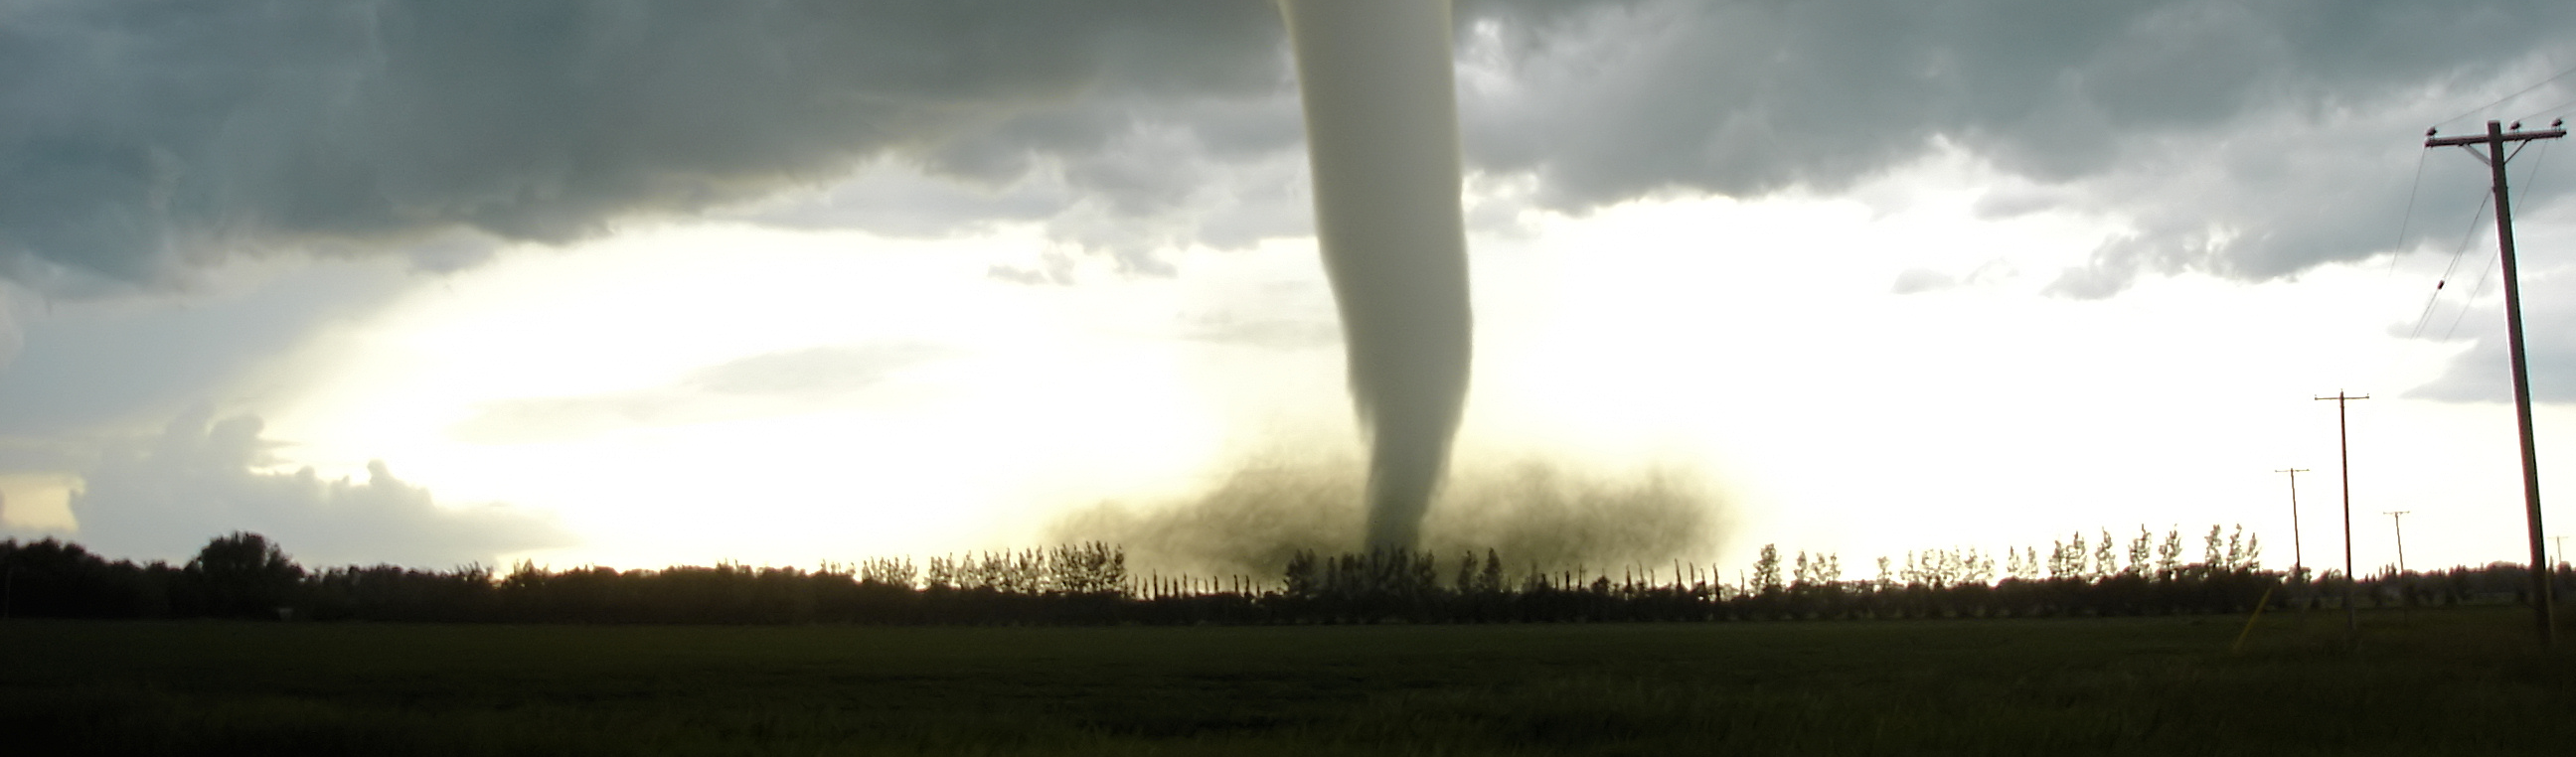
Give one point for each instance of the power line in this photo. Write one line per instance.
(2406, 223)
(2549, 111)
(2487, 269)
(2466, 237)
(2487, 266)
(2531, 176)
(2507, 98)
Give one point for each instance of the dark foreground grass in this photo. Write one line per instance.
(2465, 681)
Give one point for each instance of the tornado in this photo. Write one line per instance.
(1382, 137)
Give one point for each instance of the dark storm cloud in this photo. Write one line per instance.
(761, 385)
(162, 498)
(1749, 97)
(2246, 139)
(146, 137)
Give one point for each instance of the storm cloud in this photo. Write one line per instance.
(149, 137)
(2188, 119)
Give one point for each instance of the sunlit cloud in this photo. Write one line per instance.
(160, 498)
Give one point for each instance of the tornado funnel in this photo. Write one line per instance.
(1382, 134)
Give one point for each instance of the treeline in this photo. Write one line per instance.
(243, 575)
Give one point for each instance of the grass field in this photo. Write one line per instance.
(2458, 681)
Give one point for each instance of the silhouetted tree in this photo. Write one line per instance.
(52, 578)
(2213, 553)
(2106, 560)
(1766, 570)
(2169, 555)
(885, 571)
(2140, 550)
(241, 574)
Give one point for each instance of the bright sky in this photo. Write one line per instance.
(1964, 331)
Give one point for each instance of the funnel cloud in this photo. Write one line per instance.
(1382, 135)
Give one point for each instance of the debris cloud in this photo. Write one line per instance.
(1537, 513)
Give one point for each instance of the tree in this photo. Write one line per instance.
(2169, 555)
(2139, 551)
(241, 574)
(888, 571)
(1305, 576)
(942, 574)
(2213, 552)
(1766, 570)
(1975, 567)
(2106, 562)
(2243, 552)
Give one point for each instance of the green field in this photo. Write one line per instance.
(2458, 681)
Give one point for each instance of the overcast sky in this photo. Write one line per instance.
(641, 283)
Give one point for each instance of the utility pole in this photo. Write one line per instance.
(2398, 519)
(2298, 561)
(2495, 139)
(2405, 586)
(2343, 437)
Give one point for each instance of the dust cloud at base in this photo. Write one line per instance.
(1537, 513)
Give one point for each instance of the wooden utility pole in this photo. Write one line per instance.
(2298, 559)
(2405, 585)
(2343, 437)
(2397, 519)
(2495, 157)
